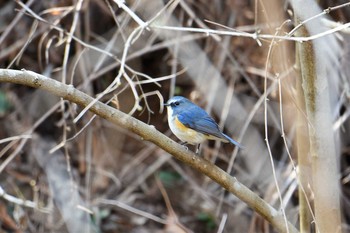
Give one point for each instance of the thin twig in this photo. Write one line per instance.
(256, 36)
(267, 134)
(26, 203)
(324, 12)
(15, 138)
(131, 209)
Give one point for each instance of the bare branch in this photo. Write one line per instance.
(149, 133)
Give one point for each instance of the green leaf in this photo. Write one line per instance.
(208, 219)
(169, 178)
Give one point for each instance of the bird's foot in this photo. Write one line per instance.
(184, 145)
(197, 150)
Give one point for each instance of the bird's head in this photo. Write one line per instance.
(177, 104)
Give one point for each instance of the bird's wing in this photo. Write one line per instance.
(200, 121)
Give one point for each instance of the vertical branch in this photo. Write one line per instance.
(322, 146)
(304, 165)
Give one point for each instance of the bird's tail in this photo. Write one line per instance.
(233, 142)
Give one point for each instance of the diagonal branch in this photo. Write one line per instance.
(149, 133)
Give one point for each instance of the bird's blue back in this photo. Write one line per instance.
(198, 119)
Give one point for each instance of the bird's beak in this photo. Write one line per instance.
(166, 104)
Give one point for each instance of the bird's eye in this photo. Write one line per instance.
(174, 104)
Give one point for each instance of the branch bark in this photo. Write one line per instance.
(149, 133)
(325, 175)
(317, 61)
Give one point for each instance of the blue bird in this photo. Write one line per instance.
(192, 124)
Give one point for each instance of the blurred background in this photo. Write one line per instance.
(93, 176)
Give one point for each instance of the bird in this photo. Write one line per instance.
(192, 124)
